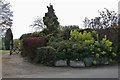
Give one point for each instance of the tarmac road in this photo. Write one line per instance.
(15, 66)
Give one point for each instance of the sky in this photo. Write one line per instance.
(69, 12)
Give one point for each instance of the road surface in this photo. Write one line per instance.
(15, 66)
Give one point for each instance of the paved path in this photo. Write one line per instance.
(15, 66)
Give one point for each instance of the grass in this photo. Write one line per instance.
(4, 51)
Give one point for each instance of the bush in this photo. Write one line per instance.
(2, 44)
(16, 45)
(67, 29)
(30, 35)
(22, 49)
(31, 45)
(84, 47)
(64, 51)
(89, 46)
(46, 55)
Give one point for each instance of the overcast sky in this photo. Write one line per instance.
(69, 12)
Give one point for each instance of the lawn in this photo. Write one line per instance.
(4, 51)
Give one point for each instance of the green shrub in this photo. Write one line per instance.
(67, 29)
(16, 45)
(22, 49)
(46, 55)
(87, 45)
(34, 34)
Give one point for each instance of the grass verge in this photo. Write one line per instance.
(4, 51)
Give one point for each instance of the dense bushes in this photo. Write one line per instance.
(89, 46)
(46, 55)
(16, 45)
(34, 34)
(67, 29)
(84, 47)
(81, 46)
(30, 45)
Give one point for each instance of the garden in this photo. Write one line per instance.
(69, 45)
(55, 45)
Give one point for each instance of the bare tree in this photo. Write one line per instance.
(38, 24)
(86, 22)
(107, 19)
(5, 16)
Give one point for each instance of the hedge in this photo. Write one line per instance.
(30, 45)
(46, 55)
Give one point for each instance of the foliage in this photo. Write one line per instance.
(5, 16)
(2, 44)
(88, 45)
(31, 45)
(64, 51)
(46, 55)
(66, 31)
(34, 34)
(16, 45)
(50, 20)
(22, 49)
(23, 36)
(85, 47)
(8, 39)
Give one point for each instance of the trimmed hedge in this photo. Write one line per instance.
(30, 45)
(46, 55)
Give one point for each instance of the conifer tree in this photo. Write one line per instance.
(51, 20)
(8, 39)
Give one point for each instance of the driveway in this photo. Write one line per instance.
(15, 66)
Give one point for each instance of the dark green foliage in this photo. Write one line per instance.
(22, 49)
(34, 34)
(50, 20)
(64, 51)
(8, 39)
(25, 36)
(2, 44)
(46, 55)
(16, 47)
(67, 29)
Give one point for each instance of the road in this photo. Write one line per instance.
(15, 66)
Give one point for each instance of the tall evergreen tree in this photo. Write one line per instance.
(8, 39)
(51, 20)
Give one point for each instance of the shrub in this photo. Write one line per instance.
(25, 36)
(16, 45)
(89, 46)
(34, 34)
(85, 47)
(2, 44)
(31, 45)
(67, 29)
(22, 49)
(46, 55)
